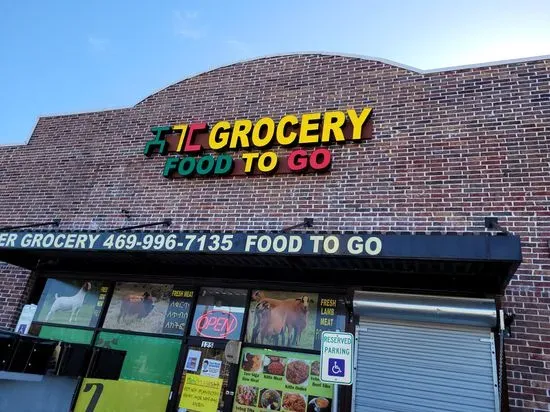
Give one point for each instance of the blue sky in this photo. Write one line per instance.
(70, 56)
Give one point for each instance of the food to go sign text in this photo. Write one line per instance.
(311, 129)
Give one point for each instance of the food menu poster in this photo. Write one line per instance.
(280, 381)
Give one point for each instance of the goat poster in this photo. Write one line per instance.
(293, 319)
(71, 302)
(140, 307)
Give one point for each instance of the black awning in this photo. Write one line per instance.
(463, 263)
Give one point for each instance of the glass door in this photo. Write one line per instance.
(137, 349)
(210, 363)
(209, 374)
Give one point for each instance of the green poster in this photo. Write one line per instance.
(66, 334)
(280, 381)
(148, 359)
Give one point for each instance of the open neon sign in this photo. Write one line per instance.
(216, 324)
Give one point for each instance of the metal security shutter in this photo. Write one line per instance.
(408, 366)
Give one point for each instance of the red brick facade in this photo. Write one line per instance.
(449, 148)
(15, 284)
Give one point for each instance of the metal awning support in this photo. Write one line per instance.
(308, 222)
(165, 222)
(426, 308)
(54, 222)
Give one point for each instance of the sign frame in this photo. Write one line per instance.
(440, 246)
(348, 359)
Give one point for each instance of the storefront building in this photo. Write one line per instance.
(187, 253)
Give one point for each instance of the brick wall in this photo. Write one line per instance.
(449, 149)
(15, 286)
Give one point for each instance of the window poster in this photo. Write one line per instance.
(193, 360)
(149, 307)
(71, 302)
(145, 379)
(280, 381)
(204, 380)
(65, 334)
(293, 319)
(200, 393)
(211, 367)
(219, 313)
(179, 308)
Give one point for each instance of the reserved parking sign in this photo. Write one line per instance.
(337, 357)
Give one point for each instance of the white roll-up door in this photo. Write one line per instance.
(408, 366)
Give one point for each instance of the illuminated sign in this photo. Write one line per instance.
(255, 141)
(216, 324)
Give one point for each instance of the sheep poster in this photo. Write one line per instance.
(140, 307)
(71, 302)
(293, 319)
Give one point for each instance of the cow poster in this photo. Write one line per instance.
(293, 319)
(139, 307)
(71, 302)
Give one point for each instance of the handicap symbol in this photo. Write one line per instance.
(336, 367)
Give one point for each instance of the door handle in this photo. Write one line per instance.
(230, 393)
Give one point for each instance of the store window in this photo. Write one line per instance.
(150, 308)
(71, 302)
(44, 367)
(132, 362)
(205, 379)
(135, 351)
(293, 319)
(210, 363)
(131, 370)
(136, 376)
(219, 313)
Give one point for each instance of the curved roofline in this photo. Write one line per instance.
(357, 56)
